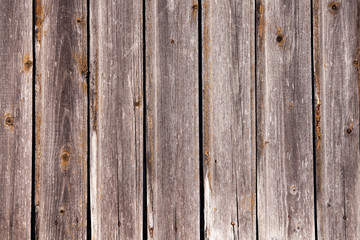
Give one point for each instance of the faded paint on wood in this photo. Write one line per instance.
(336, 68)
(284, 120)
(61, 120)
(116, 119)
(229, 119)
(16, 77)
(172, 151)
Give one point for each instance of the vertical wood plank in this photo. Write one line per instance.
(229, 119)
(16, 78)
(116, 112)
(172, 152)
(337, 75)
(285, 136)
(61, 119)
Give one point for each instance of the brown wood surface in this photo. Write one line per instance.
(172, 151)
(284, 120)
(229, 119)
(337, 79)
(116, 133)
(16, 77)
(61, 119)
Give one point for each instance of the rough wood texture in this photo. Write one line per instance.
(172, 152)
(61, 119)
(285, 136)
(16, 77)
(116, 119)
(229, 119)
(337, 75)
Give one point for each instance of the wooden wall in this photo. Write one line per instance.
(169, 119)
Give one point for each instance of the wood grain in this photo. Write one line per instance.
(16, 81)
(172, 151)
(229, 119)
(337, 75)
(116, 133)
(284, 120)
(61, 119)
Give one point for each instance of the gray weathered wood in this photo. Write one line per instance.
(284, 120)
(16, 78)
(116, 119)
(172, 152)
(337, 84)
(61, 119)
(229, 119)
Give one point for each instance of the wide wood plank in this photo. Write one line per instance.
(229, 119)
(284, 120)
(16, 81)
(172, 151)
(61, 119)
(337, 75)
(116, 112)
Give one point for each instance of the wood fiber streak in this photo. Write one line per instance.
(337, 75)
(229, 119)
(284, 120)
(116, 118)
(172, 151)
(16, 81)
(61, 119)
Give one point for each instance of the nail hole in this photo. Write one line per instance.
(172, 41)
(232, 224)
(175, 228)
(119, 224)
(356, 63)
(56, 222)
(344, 217)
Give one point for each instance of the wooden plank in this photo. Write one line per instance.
(61, 119)
(229, 119)
(172, 150)
(116, 119)
(337, 75)
(16, 78)
(285, 132)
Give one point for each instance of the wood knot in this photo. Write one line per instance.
(137, 103)
(9, 121)
(334, 7)
(64, 159)
(350, 129)
(62, 211)
(356, 63)
(280, 38)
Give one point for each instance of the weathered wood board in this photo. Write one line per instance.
(337, 75)
(16, 78)
(284, 120)
(229, 119)
(116, 66)
(172, 102)
(61, 119)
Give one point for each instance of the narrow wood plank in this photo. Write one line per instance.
(16, 78)
(285, 129)
(337, 75)
(116, 119)
(172, 152)
(61, 119)
(229, 119)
